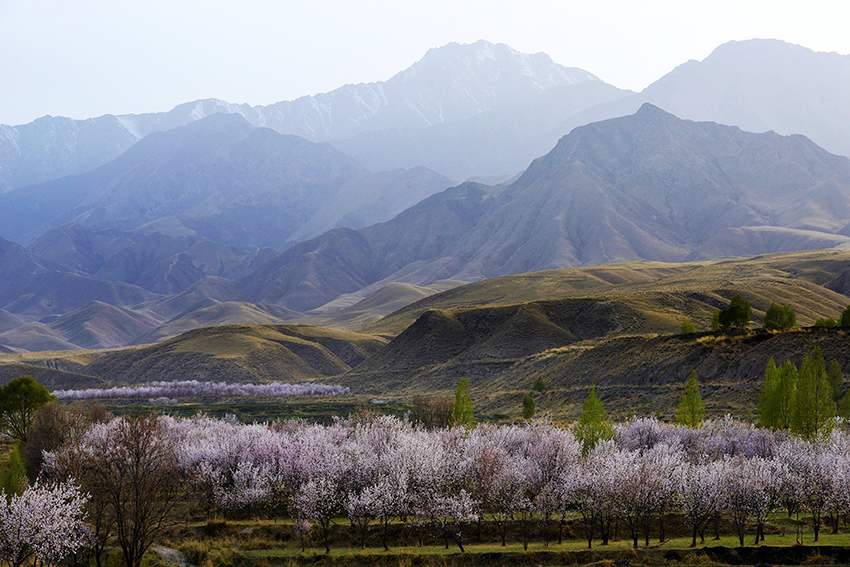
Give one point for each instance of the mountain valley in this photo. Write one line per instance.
(484, 213)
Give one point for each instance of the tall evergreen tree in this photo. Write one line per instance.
(813, 413)
(13, 474)
(784, 395)
(691, 409)
(715, 321)
(777, 393)
(592, 426)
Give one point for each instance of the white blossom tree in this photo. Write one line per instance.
(45, 523)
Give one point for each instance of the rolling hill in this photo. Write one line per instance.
(614, 326)
(229, 353)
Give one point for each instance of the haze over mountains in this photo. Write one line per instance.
(229, 213)
(647, 186)
(479, 110)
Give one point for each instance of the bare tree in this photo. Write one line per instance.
(128, 465)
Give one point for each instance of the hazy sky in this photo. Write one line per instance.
(83, 58)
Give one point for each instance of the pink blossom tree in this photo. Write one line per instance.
(45, 523)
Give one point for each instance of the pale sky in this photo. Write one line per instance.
(84, 58)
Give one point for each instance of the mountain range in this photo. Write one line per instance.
(479, 110)
(215, 213)
(647, 186)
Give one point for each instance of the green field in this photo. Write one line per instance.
(267, 542)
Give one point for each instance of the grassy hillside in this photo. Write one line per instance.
(813, 282)
(613, 326)
(230, 353)
(641, 374)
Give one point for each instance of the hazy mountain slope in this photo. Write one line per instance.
(502, 141)
(79, 248)
(213, 313)
(764, 85)
(212, 176)
(451, 83)
(642, 187)
(32, 288)
(342, 261)
(217, 179)
(651, 186)
(369, 200)
(95, 325)
(757, 85)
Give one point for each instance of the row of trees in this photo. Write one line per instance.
(196, 388)
(801, 400)
(777, 317)
(534, 477)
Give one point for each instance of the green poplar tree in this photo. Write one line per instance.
(691, 409)
(836, 378)
(813, 413)
(462, 408)
(592, 426)
(766, 404)
(715, 321)
(845, 317)
(784, 395)
(528, 407)
(13, 474)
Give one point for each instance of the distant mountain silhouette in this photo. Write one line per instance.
(450, 84)
(223, 180)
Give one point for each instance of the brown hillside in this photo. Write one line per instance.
(232, 353)
(813, 282)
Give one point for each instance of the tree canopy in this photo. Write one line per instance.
(691, 409)
(462, 408)
(688, 327)
(592, 426)
(738, 314)
(780, 317)
(813, 413)
(528, 407)
(20, 399)
(845, 317)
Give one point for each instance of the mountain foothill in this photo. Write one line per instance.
(477, 212)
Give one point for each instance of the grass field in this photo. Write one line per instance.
(253, 542)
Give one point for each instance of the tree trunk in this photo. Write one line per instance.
(386, 522)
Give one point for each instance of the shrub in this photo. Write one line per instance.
(780, 317)
(528, 407)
